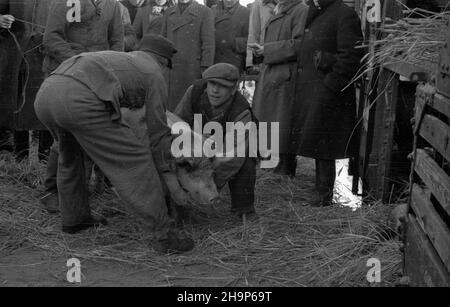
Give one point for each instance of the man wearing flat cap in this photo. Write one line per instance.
(82, 104)
(216, 98)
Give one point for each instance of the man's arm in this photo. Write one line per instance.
(240, 42)
(116, 30)
(160, 136)
(348, 58)
(184, 108)
(207, 39)
(164, 23)
(254, 30)
(226, 167)
(137, 24)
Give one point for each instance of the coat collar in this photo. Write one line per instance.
(221, 11)
(192, 9)
(288, 7)
(186, 17)
(314, 12)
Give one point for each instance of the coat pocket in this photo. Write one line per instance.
(278, 74)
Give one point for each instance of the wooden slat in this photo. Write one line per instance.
(432, 224)
(437, 134)
(422, 264)
(383, 137)
(412, 72)
(434, 177)
(441, 104)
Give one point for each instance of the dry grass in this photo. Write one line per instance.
(415, 41)
(289, 245)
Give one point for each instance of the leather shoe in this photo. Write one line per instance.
(88, 223)
(50, 202)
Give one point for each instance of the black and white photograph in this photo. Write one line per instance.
(224, 149)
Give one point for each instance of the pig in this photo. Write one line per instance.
(196, 180)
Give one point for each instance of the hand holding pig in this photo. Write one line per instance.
(177, 193)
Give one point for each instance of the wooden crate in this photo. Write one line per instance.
(427, 249)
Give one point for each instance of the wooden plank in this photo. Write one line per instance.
(434, 177)
(422, 264)
(437, 134)
(441, 104)
(388, 85)
(412, 72)
(432, 224)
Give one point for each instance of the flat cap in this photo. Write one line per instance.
(159, 45)
(222, 73)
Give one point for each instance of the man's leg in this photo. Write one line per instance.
(5, 139)
(325, 178)
(45, 142)
(72, 185)
(49, 199)
(242, 188)
(21, 145)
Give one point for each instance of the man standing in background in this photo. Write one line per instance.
(5, 23)
(149, 18)
(100, 29)
(232, 23)
(190, 26)
(260, 14)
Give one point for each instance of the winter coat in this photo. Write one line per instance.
(100, 28)
(231, 34)
(324, 115)
(192, 33)
(260, 13)
(12, 65)
(149, 20)
(275, 90)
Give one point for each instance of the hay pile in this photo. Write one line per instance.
(289, 245)
(415, 41)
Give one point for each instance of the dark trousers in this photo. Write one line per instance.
(22, 144)
(325, 178)
(81, 124)
(242, 188)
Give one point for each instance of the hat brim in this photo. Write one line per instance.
(223, 82)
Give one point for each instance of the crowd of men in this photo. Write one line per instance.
(188, 58)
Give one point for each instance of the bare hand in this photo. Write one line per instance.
(257, 49)
(6, 21)
(177, 193)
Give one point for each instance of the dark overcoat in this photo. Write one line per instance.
(148, 21)
(325, 108)
(231, 34)
(13, 70)
(192, 33)
(275, 91)
(101, 28)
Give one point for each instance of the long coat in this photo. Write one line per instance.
(192, 33)
(148, 20)
(275, 91)
(231, 34)
(100, 29)
(12, 65)
(325, 113)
